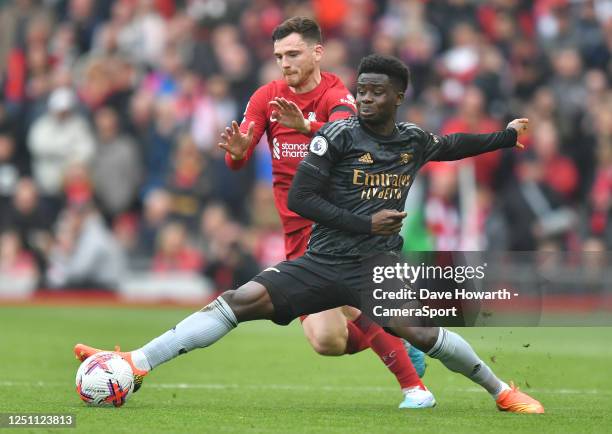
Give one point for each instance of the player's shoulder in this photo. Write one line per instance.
(335, 90)
(409, 128)
(334, 130)
(332, 82)
(270, 90)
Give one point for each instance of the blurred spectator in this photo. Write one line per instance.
(472, 118)
(559, 171)
(265, 239)
(26, 217)
(235, 63)
(535, 213)
(157, 207)
(446, 15)
(96, 84)
(441, 210)
(14, 260)
(123, 77)
(147, 33)
(9, 169)
(125, 231)
(528, 68)
(31, 35)
(173, 253)
(190, 182)
(140, 120)
(159, 144)
(212, 219)
(81, 13)
(459, 64)
(164, 82)
(14, 17)
(116, 171)
(57, 139)
(86, 255)
(212, 112)
(231, 267)
(601, 191)
(78, 188)
(568, 87)
(554, 24)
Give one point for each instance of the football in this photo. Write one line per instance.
(104, 380)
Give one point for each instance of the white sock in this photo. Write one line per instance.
(140, 360)
(198, 330)
(458, 356)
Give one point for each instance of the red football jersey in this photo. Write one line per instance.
(329, 101)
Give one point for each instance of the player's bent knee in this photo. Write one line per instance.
(249, 302)
(328, 346)
(325, 342)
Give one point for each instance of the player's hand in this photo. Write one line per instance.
(235, 142)
(387, 222)
(521, 126)
(288, 114)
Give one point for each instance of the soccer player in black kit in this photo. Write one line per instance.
(353, 184)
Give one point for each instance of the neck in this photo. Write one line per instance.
(385, 129)
(313, 81)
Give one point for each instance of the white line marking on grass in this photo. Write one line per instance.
(304, 387)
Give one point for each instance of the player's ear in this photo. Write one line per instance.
(400, 98)
(318, 52)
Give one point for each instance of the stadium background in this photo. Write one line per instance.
(144, 88)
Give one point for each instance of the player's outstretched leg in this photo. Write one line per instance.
(458, 356)
(200, 329)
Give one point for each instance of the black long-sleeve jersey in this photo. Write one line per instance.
(351, 173)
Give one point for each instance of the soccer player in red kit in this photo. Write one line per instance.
(290, 111)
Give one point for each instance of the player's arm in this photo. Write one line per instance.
(339, 103)
(462, 145)
(239, 141)
(289, 115)
(306, 197)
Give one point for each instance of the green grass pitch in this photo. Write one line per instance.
(265, 379)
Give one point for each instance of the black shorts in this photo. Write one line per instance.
(304, 286)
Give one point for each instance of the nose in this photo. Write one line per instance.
(285, 63)
(366, 98)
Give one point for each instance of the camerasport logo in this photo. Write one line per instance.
(288, 150)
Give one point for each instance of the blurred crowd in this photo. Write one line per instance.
(110, 112)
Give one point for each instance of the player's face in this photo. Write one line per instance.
(377, 98)
(297, 58)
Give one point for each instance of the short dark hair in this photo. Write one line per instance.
(395, 69)
(306, 27)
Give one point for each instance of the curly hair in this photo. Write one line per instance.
(395, 69)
